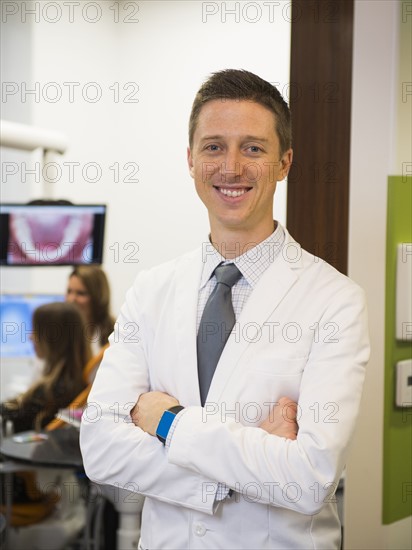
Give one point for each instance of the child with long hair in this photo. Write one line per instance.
(59, 338)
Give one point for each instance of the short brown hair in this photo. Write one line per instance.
(242, 85)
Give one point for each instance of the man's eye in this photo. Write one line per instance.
(213, 147)
(254, 148)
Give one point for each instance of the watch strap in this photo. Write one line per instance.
(166, 421)
(176, 409)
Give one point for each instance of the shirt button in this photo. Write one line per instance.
(199, 529)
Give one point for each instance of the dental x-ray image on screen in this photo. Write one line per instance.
(51, 234)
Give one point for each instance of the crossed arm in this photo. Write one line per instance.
(151, 405)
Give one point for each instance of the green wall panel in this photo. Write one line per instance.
(397, 443)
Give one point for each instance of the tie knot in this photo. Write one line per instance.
(227, 274)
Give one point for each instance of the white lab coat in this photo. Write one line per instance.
(303, 334)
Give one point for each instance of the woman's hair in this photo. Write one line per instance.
(97, 286)
(60, 333)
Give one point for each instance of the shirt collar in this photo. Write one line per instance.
(252, 264)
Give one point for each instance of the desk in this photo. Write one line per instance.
(60, 450)
(54, 459)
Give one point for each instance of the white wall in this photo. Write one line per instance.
(404, 92)
(374, 142)
(16, 66)
(167, 54)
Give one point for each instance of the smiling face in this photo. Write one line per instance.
(236, 163)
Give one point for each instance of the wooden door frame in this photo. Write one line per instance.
(320, 101)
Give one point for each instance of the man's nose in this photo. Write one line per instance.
(232, 168)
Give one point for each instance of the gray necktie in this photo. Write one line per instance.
(215, 326)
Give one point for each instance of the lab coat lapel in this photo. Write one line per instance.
(272, 287)
(188, 276)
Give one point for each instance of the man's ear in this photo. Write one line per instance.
(286, 163)
(190, 162)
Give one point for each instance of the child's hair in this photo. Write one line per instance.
(59, 332)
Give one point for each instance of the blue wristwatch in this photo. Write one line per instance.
(166, 421)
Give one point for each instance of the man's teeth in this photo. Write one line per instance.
(230, 193)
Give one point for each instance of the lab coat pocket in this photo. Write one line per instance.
(267, 381)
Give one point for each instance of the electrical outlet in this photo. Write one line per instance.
(404, 383)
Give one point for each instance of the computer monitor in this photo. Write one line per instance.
(51, 234)
(16, 312)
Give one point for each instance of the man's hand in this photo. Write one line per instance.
(149, 408)
(282, 419)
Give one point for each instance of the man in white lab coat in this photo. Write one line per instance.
(242, 468)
